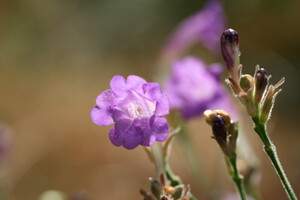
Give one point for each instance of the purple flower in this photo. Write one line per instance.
(137, 109)
(204, 27)
(193, 88)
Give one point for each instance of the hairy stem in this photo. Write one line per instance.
(236, 177)
(158, 159)
(270, 149)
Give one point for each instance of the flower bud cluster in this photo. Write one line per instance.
(254, 92)
(164, 191)
(225, 132)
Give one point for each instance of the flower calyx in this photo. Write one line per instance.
(268, 101)
(163, 190)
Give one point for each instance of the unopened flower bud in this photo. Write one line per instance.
(230, 52)
(225, 116)
(178, 191)
(247, 85)
(261, 83)
(219, 128)
(210, 114)
(156, 188)
(246, 82)
(229, 46)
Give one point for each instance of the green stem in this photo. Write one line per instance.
(158, 159)
(174, 179)
(270, 149)
(236, 177)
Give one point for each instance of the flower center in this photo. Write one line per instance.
(137, 106)
(139, 109)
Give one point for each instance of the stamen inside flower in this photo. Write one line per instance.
(138, 110)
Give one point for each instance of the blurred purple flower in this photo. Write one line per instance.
(137, 108)
(204, 27)
(193, 88)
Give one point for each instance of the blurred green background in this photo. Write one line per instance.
(56, 56)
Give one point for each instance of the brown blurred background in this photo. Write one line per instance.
(56, 56)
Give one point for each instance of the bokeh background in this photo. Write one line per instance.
(56, 56)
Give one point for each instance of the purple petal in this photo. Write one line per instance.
(118, 132)
(159, 125)
(101, 116)
(162, 106)
(192, 81)
(193, 87)
(147, 133)
(120, 85)
(216, 70)
(175, 101)
(152, 90)
(133, 137)
(135, 83)
(106, 99)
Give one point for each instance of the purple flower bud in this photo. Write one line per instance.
(230, 47)
(137, 109)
